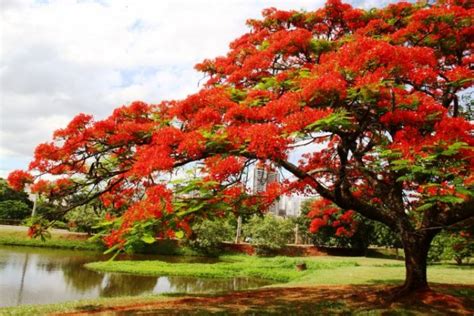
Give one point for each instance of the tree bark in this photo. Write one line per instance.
(416, 246)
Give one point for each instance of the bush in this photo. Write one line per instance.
(84, 219)
(8, 194)
(14, 206)
(457, 246)
(60, 225)
(268, 233)
(208, 236)
(14, 210)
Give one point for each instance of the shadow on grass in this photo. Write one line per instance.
(465, 293)
(321, 300)
(384, 254)
(464, 266)
(90, 308)
(388, 282)
(279, 307)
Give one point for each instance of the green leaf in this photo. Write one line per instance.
(407, 177)
(424, 207)
(265, 44)
(450, 199)
(465, 191)
(179, 234)
(454, 149)
(336, 120)
(112, 249)
(148, 239)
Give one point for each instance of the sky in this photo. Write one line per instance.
(59, 58)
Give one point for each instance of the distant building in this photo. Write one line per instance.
(287, 205)
(260, 177)
(290, 205)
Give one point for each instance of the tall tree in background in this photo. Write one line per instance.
(14, 205)
(373, 98)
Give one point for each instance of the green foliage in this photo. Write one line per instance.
(268, 233)
(14, 205)
(14, 209)
(319, 46)
(457, 246)
(60, 225)
(383, 236)
(38, 228)
(209, 234)
(436, 249)
(7, 193)
(430, 169)
(84, 218)
(45, 209)
(339, 120)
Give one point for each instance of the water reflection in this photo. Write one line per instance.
(119, 284)
(201, 285)
(79, 279)
(40, 276)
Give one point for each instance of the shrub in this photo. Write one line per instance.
(457, 246)
(14, 210)
(268, 233)
(208, 236)
(84, 219)
(14, 205)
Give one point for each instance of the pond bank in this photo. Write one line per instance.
(60, 239)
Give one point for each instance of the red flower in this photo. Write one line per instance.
(18, 179)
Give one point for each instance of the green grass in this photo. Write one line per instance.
(321, 270)
(88, 305)
(57, 240)
(279, 269)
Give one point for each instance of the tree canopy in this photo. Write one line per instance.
(14, 205)
(373, 98)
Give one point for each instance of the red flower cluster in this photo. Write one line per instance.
(325, 214)
(18, 179)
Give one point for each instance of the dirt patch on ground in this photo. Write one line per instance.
(444, 300)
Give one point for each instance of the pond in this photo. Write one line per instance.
(42, 276)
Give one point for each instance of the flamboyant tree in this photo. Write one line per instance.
(373, 98)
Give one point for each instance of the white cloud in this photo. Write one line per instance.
(62, 57)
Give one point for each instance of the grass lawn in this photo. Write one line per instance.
(327, 270)
(79, 306)
(17, 236)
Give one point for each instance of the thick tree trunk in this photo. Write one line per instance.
(416, 246)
